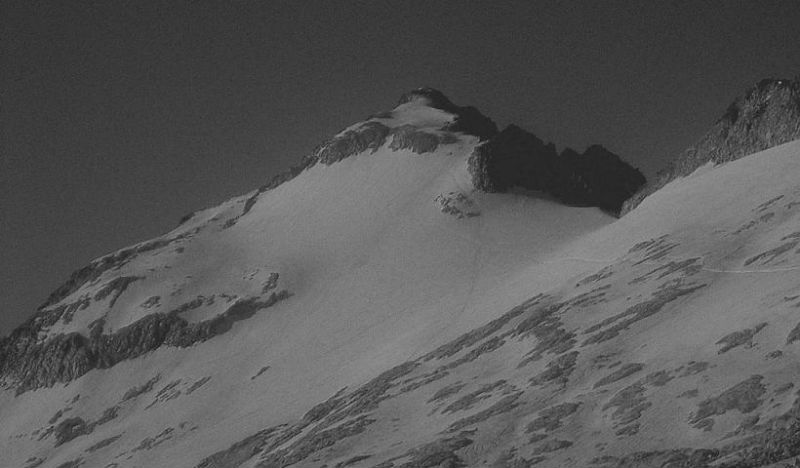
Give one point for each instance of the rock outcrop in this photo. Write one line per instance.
(767, 115)
(28, 362)
(516, 158)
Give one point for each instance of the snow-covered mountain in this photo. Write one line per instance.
(425, 290)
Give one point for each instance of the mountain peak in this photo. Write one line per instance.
(431, 96)
(425, 119)
(767, 114)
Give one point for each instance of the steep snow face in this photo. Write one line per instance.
(377, 310)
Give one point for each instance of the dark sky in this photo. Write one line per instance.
(118, 117)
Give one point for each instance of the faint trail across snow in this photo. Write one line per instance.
(711, 270)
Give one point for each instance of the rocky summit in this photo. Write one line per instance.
(766, 115)
(423, 290)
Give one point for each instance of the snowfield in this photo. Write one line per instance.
(352, 317)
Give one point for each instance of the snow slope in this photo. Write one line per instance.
(417, 322)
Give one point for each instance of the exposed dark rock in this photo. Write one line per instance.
(767, 115)
(744, 397)
(238, 453)
(659, 378)
(440, 453)
(115, 288)
(141, 389)
(422, 380)
(456, 204)
(411, 138)
(71, 428)
(148, 443)
(504, 405)
(558, 370)
(368, 136)
(352, 461)
(629, 404)
(551, 446)
(116, 260)
(103, 443)
(76, 463)
(772, 254)
(186, 218)
(33, 462)
(686, 267)
(313, 442)
(551, 418)
(551, 336)
(152, 301)
(619, 374)
(739, 338)
(639, 312)
(477, 335)
(168, 392)
(676, 458)
(695, 367)
(446, 392)
(471, 399)
(628, 430)
(260, 372)
(516, 158)
(70, 309)
(468, 119)
(195, 386)
(488, 346)
(794, 335)
(30, 363)
(590, 298)
(58, 415)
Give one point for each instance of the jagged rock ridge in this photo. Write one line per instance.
(766, 115)
(516, 158)
(507, 159)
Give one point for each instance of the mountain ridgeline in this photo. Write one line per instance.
(426, 290)
(766, 115)
(507, 159)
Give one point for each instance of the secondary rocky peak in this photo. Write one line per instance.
(766, 115)
(432, 97)
(517, 158)
(468, 119)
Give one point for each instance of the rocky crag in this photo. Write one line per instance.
(516, 158)
(766, 115)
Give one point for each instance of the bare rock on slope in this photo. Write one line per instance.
(515, 157)
(767, 115)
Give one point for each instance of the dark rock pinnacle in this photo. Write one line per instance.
(517, 158)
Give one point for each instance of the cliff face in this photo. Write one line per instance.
(516, 158)
(767, 115)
